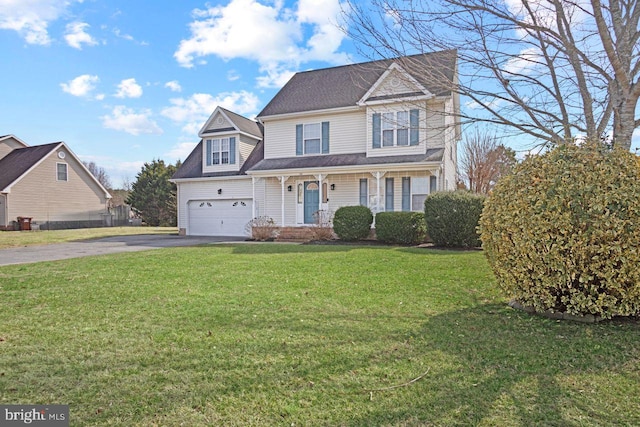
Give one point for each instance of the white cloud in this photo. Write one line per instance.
(128, 88)
(128, 120)
(272, 35)
(81, 85)
(180, 151)
(274, 77)
(232, 75)
(30, 18)
(76, 35)
(192, 112)
(523, 63)
(174, 86)
(128, 37)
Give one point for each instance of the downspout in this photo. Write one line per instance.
(253, 197)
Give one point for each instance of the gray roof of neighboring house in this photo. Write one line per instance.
(346, 85)
(359, 159)
(20, 160)
(192, 166)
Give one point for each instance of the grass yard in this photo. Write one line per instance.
(271, 334)
(13, 239)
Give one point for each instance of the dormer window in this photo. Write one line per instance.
(221, 151)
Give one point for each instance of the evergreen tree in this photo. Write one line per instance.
(153, 196)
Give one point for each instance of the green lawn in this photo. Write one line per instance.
(12, 239)
(272, 334)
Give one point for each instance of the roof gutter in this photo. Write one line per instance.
(432, 165)
(309, 113)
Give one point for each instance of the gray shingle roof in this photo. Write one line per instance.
(245, 125)
(346, 85)
(20, 160)
(192, 166)
(359, 159)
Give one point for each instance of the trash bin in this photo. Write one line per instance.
(25, 223)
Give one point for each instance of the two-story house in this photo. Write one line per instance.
(381, 134)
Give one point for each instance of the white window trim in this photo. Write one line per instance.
(220, 151)
(394, 126)
(305, 139)
(66, 174)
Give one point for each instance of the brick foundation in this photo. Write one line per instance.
(296, 233)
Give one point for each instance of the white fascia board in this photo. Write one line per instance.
(209, 178)
(397, 100)
(214, 135)
(409, 77)
(16, 138)
(210, 119)
(388, 167)
(262, 119)
(106, 192)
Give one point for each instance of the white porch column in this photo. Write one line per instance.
(378, 176)
(319, 178)
(282, 179)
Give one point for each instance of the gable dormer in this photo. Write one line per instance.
(395, 84)
(228, 140)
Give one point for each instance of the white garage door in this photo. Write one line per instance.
(219, 217)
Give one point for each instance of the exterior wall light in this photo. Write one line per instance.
(219, 190)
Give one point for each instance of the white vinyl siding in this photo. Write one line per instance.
(245, 147)
(218, 122)
(347, 134)
(238, 189)
(428, 137)
(347, 192)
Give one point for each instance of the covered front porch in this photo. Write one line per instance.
(297, 198)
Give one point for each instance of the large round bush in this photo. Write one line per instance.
(352, 222)
(562, 233)
(452, 218)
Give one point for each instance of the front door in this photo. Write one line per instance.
(311, 201)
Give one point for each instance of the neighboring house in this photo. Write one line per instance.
(381, 134)
(48, 184)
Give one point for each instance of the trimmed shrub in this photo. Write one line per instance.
(406, 228)
(452, 218)
(563, 232)
(352, 222)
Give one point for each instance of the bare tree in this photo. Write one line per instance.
(483, 161)
(99, 173)
(550, 69)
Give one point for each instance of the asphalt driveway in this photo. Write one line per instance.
(103, 246)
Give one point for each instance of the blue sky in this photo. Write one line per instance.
(126, 82)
